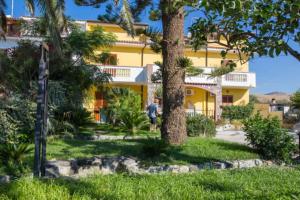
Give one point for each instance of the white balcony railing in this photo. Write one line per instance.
(236, 79)
(139, 75)
(123, 74)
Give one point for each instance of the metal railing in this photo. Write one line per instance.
(193, 112)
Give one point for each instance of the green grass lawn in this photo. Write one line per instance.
(107, 129)
(259, 183)
(195, 150)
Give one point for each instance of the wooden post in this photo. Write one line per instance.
(41, 114)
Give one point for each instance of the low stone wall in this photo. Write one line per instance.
(110, 165)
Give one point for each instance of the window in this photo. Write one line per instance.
(227, 99)
(189, 92)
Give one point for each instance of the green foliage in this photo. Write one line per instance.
(124, 108)
(200, 125)
(237, 112)
(154, 147)
(8, 128)
(267, 136)
(105, 57)
(295, 99)
(253, 99)
(84, 43)
(264, 28)
(194, 150)
(22, 111)
(258, 183)
(13, 157)
(187, 64)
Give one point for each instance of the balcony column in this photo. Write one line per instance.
(218, 99)
(150, 85)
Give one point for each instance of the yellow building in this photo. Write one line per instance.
(135, 64)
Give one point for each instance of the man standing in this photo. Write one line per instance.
(152, 114)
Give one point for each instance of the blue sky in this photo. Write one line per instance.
(273, 74)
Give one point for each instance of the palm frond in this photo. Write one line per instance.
(48, 9)
(30, 6)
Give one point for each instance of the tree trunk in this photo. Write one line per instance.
(174, 123)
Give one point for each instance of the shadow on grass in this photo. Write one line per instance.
(212, 150)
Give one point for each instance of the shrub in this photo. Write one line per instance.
(237, 112)
(12, 157)
(124, 109)
(154, 147)
(267, 136)
(75, 115)
(21, 112)
(200, 125)
(8, 128)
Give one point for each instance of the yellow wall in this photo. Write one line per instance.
(240, 96)
(130, 55)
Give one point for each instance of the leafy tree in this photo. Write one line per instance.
(295, 99)
(264, 27)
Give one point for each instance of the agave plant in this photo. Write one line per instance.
(13, 156)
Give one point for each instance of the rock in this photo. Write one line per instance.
(85, 167)
(219, 165)
(194, 168)
(58, 168)
(4, 179)
(109, 165)
(177, 169)
(245, 163)
(128, 165)
(258, 162)
(155, 169)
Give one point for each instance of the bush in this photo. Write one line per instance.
(8, 128)
(12, 157)
(267, 136)
(124, 109)
(237, 112)
(200, 125)
(21, 112)
(154, 147)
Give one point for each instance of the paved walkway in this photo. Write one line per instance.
(239, 136)
(232, 136)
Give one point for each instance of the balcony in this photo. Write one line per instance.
(123, 74)
(239, 80)
(127, 74)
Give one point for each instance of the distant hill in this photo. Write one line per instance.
(277, 93)
(280, 97)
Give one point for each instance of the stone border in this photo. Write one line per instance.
(114, 137)
(109, 165)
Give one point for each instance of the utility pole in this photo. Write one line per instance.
(40, 132)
